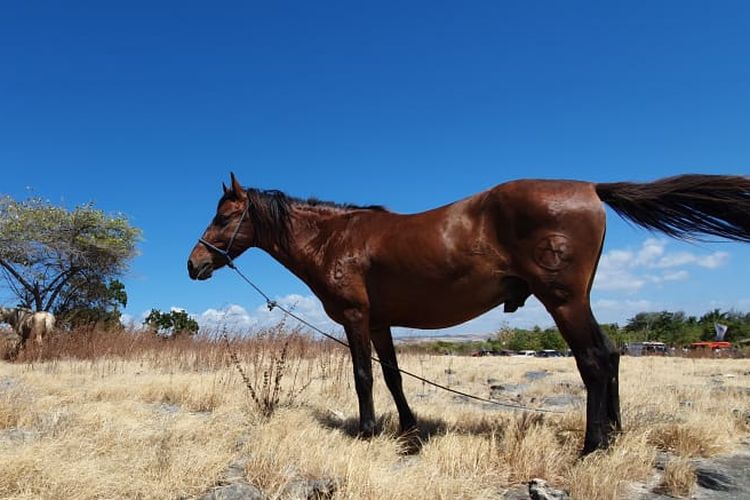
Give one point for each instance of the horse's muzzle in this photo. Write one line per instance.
(201, 270)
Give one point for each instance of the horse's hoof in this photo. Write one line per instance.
(366, 431)
(410, 441)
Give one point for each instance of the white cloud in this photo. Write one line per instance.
(237, 318)
(232, 317)
(131, 321)
(650, 250)
(627, 270)
(615, 310)
(716, 259)
(680, 275)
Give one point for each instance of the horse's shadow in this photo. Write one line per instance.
(412, 441)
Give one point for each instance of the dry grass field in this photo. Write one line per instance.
(128, 416)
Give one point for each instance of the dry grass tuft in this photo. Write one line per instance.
(531, 449)
(691, 438)
(678, 479)
(607, 474)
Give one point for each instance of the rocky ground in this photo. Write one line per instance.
(724, 476)
(721, 478)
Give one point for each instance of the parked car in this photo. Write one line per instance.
(485, 352)
(645, 349)
(713, 346)
(526, 353)
(482, 352)
(549, 353)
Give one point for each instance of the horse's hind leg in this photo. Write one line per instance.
(383, 342)
(598, 363)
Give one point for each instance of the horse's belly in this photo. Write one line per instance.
(436, 306)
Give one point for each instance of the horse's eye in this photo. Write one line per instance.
(220, 220)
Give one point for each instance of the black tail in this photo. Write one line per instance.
(688, 207)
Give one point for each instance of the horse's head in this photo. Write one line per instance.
(230, 231)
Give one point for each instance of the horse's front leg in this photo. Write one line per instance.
(358, 334)
(383, 342)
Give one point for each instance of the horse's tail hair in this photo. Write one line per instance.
(688, 207)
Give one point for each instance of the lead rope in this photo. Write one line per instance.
(272, 304)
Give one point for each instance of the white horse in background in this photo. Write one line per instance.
(27, 323)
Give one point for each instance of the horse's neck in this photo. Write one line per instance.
(302, 250)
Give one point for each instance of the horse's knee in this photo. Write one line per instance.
(363, 378)
(597, 364)
(364, 374)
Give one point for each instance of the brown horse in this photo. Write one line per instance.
(373, 269)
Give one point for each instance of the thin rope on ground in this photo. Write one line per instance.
(271, 304)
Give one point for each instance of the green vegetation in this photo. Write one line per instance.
(65, 261)
(672, 328)
(171, 324)
(510, 339)
(676, 328)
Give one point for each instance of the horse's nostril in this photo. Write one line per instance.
(192, 270)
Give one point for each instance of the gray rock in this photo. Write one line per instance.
(713, 478)
(18, 435)
(309, 489)
(662, 459)
(537, 375)
(561, 400)
(406, 462)
(520, 492)
(235, 472)
(503, 389)
(539, 489)
(234, 491)
(734, 390)
(721, 478)
(7, 383)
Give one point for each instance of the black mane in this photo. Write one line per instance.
(268, 211)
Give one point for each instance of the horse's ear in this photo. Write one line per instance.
(226, 189)
(237, 188)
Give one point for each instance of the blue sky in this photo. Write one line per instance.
(144, 109)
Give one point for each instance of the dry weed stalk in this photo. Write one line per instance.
(267, 394)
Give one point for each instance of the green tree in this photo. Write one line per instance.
(55, 259)
(663, 326)
(551, 338)
(171, 324)
(526, 340)
(89, 304)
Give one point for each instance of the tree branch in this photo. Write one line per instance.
(28, 286)
(59, 288)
